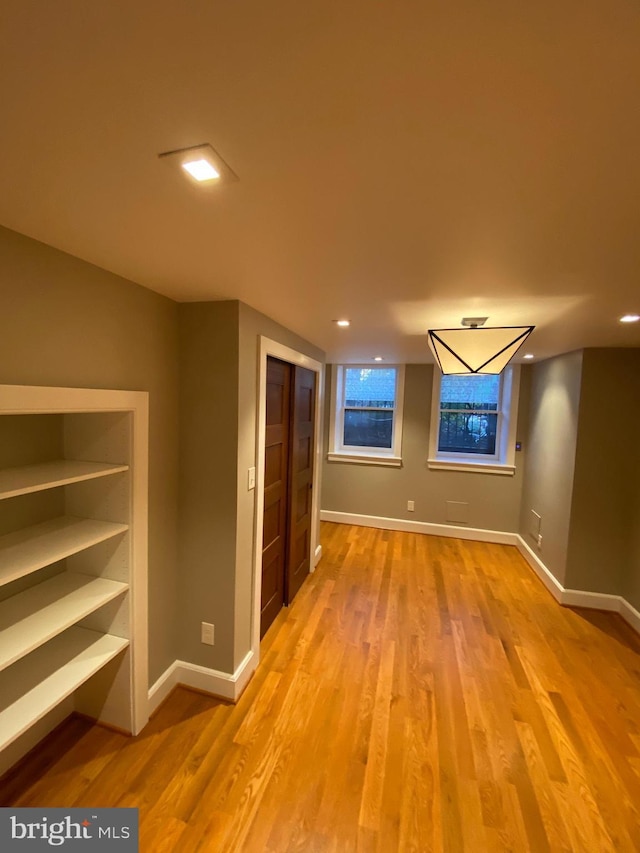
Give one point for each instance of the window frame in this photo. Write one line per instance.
(341, 452)
(500, 462)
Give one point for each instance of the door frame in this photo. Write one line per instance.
(266, 348)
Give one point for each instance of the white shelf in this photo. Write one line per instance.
(35, 616)
(49, 475)
(37, 683)
(31, 548)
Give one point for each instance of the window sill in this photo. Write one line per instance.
(365, 459)
(471, 467)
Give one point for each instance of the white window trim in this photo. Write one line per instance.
(367, 455)
(504, 461)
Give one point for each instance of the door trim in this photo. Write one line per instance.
(269, 347)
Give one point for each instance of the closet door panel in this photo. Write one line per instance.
(301, 480)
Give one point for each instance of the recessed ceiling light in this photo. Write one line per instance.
(528, 355)
(630, 318)
(202, 163)
(378, 358)
(201, 170)
(342, 322)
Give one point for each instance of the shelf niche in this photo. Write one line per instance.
(73, 561)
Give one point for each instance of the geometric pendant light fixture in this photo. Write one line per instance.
(476, 350)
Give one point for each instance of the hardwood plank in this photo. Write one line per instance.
(555, 829)
(378, 745)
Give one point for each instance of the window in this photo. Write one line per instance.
(473, 421)
(469, 414)
(366, 417)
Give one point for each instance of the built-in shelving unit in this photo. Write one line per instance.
(73, 549)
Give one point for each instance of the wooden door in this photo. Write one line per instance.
(276, 488)
(300, 480)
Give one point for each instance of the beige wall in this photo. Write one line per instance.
(604, 521)
(208, 448)
(494, 500)
(550, 456)
(583, 470)
(65, 322)
(219, 363)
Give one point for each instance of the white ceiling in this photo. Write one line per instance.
(403, 164)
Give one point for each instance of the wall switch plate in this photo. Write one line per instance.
(207, 633)
(251, 479)
(411, 506)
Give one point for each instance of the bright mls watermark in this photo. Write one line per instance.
(80, 830)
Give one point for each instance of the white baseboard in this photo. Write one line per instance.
(548, 578)
(161, 688)
(477, 534)
(224, 685)
(630, 614)
(318, 556)
(243, 673)
(566, 597)
(594, 600)
(579, 597)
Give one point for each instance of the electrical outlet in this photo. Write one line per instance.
(539, 540)
(207, 633)
(411, 506)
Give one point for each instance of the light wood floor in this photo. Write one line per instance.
(420, 694)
